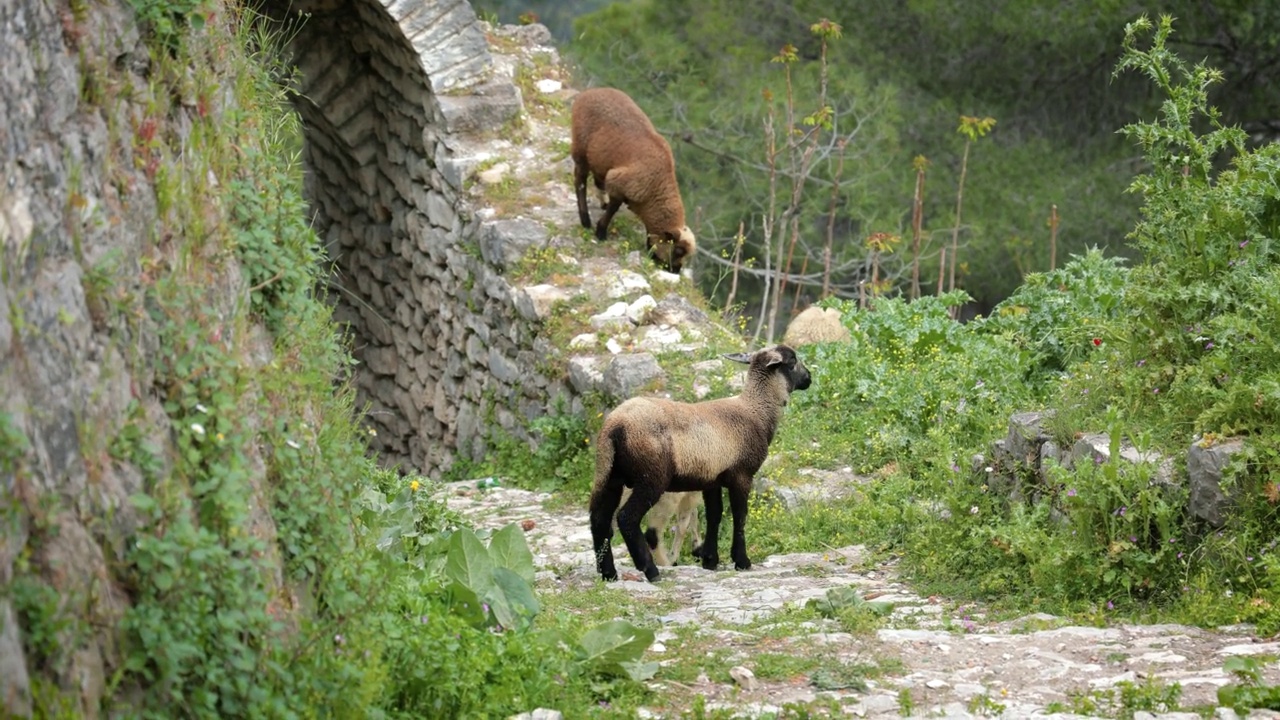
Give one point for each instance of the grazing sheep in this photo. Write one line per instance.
(683, 507)
(631, 163)
(816, 325)
(654, 446)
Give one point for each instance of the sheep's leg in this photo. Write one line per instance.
(604, 503)
(738, 496)
(642, 498)
(710, 546)
(677, 543)
(602, 227)
(580, 188)
(688, 525)
(659, 552)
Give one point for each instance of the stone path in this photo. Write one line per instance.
(952, 661)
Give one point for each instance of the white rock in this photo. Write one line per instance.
(744, 677)
(493, 175)
(937, 684)
(626, 282)
(639, 309)
(660, 338)
(583, 341)
(1268, 648)
(615, 314)
(666, 277)
(548, 85)
(535, 301)
(613, 346)
(658, 647)
(1129, 676)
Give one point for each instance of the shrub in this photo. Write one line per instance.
(1062, 316)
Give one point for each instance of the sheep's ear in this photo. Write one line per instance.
(774, 357)
(744, 358)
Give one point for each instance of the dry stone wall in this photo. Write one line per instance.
(388, 91)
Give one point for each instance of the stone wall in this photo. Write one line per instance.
(1018, 466)
(388, 90)
(72, 207)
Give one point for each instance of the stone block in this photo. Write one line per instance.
(677, 311)
(584, 374)
(504, 242)
(503, 368)
(535, 302)
(638, 310)
(629, 372)
(626, 282)
(485, 107)
(1026, 434)
(1209, 500)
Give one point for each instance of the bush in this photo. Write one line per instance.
(1061, 317)
(912, 386)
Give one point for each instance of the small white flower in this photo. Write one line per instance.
(987, 469)
(973, 510)
(293, 444)
(201, 408)
(197, 428)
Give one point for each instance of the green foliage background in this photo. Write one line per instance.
(905, 72)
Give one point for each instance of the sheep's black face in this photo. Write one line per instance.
(780, 359)
(797, 374)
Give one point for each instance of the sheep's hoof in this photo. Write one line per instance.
(744, 565)
(609, 576)
(710, 563)
(651, 573)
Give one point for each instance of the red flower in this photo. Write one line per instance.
(1097, 342)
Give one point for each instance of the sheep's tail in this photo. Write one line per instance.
(604, 461)
(606, 491)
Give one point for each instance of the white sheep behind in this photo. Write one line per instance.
(675, 510)
(614, 141)
(816, 325)
(655, 446)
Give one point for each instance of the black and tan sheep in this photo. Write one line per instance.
(614, 141)
(816, 325)
(654, 446)
(678, 510)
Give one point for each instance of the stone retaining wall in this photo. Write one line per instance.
(388, 88)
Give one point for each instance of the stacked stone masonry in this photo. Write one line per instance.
(386, 89)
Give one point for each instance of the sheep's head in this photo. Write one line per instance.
(778, 360)
(671, 249)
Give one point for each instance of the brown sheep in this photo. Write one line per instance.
(655, 446)
(614, 141)
(816, 325)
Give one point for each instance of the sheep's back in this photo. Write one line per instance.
(609, 130)
(704, 440)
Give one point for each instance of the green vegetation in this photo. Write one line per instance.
(903, 77)
(277, 572)
(1171, 350)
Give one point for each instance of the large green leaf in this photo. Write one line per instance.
(509, 549)
(468, 562)
(467, 605)
(639, 671)
(609, 647)
(512, 600)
